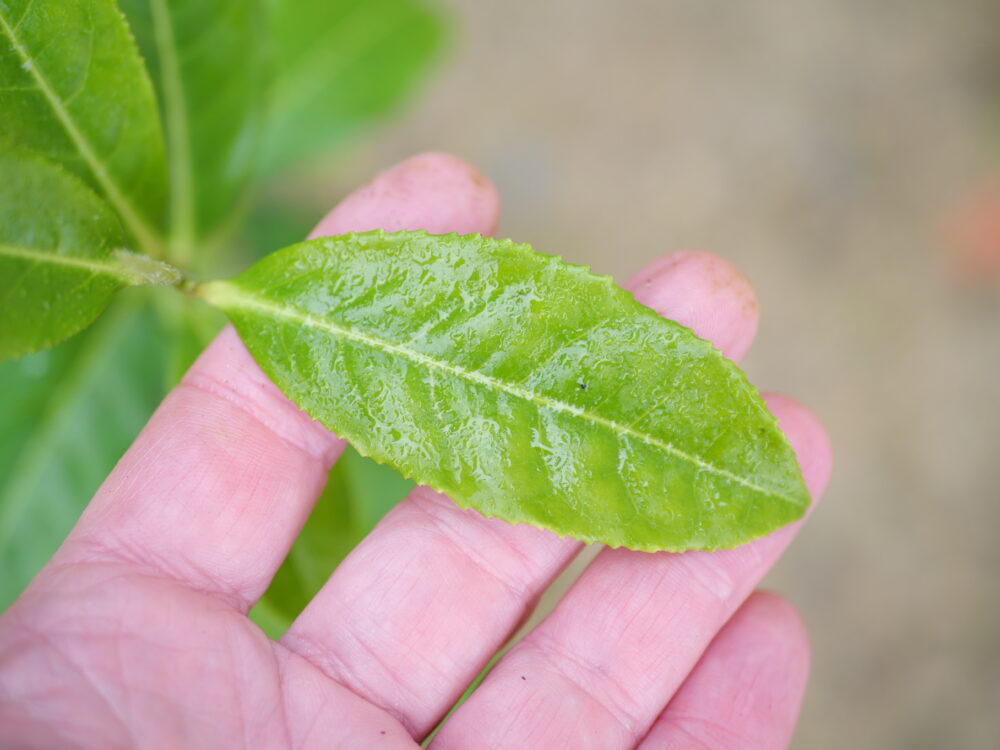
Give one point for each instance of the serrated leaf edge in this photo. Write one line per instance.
(229, 295)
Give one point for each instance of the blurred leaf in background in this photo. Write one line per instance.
(245, 89)
(74, 89)
(78, 407)
(342, 65)
(208, 62)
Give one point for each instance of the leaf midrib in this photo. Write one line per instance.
(228, 295)
(129, 215)
(52, 257)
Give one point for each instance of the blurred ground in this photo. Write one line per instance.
(824, 147)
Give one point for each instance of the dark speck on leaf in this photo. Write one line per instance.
(523, 677)
(583, 386)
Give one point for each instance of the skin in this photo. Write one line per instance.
(135, 634)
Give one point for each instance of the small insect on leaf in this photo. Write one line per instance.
(572, 408)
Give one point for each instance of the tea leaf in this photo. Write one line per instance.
(206, 59)
(341, 65)
(523, 387)
(73, 87)
(59, 266)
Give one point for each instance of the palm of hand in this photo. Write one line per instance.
(150, 662)
(136, 635)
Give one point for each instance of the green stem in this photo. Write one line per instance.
(181, 242)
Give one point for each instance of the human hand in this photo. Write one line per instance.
(136, 633)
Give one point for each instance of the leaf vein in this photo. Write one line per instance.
(24, 15)
(240, 298)
(88, 264)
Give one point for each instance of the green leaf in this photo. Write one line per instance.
(206, 58)
(358, 493)
(341, 65)
(73, 87)
(75, 410)
(276, 222)
(523, 387)
(59, 266)
(372, 491)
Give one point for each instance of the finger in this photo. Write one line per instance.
(413, 614)
(705, 293)
(747, 688)
(434, 191)
(218, 484)
(600, 668)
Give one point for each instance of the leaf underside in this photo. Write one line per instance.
(524, 387)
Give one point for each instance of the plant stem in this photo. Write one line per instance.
(181, 239)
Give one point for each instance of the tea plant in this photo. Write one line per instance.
(524, 387)
(250, 90)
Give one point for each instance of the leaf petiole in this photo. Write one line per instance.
(142, 269)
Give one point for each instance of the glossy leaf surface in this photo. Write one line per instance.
(207, 61)
(73, 87)
(70, 413)
(340, 65)
(526, 388)
(59, 263)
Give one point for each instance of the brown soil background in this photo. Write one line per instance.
(823, 147)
